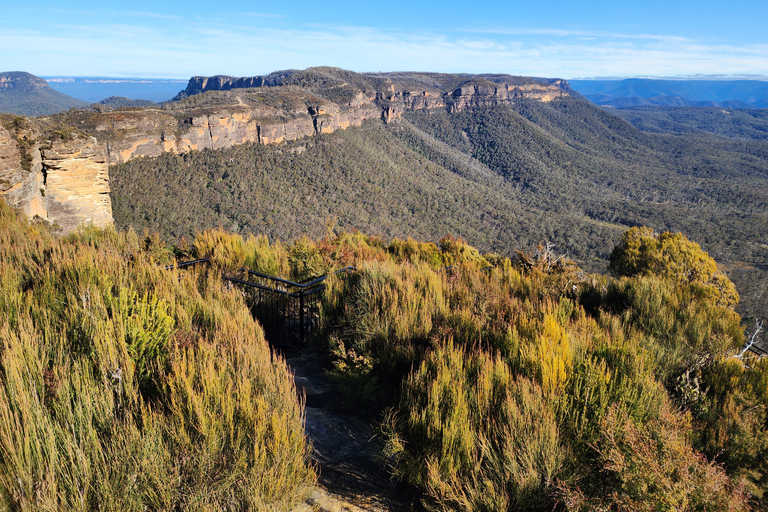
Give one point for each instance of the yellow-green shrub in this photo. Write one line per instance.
(127, 387)
(224, 250)
(474, 436)
(671, 256)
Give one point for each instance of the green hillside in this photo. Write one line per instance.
(505, 177)
(25, 94)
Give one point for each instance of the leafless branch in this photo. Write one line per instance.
(751, 344)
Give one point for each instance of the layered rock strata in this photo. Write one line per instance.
(65, 180)
(62, 181)
(77, 183)
(21, 183)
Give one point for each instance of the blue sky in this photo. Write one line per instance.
(553, 38)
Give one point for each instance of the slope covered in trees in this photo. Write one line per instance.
(503, 177)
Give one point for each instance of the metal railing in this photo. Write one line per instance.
(287, 311)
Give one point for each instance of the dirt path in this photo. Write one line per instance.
(347, 451)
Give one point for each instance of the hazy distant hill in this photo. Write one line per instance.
(94, 89)
(702, 93)
(120, 101)
(25, 94)
(734, 123)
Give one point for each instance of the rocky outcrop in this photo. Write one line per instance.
(482, 93)
(265, 116)
(21, 181)
(62, 181)
(490, 94)
(76, 183)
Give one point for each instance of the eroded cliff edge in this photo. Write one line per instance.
(56, 167)
(58, 178)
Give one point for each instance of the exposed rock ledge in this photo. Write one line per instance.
(64, 179)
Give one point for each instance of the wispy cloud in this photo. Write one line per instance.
(155, 15)
(256, 44)
(576, 33)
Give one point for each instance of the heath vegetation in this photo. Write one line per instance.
(129, 387)
(498, 383)
(525, 383)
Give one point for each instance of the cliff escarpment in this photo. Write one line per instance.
(54, 175)
(219, 112)
(64, 178)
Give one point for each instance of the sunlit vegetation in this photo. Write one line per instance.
(499, 383)
(124, 386)
(525, 383)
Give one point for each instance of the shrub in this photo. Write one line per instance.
(673, 257)
(127, 387)
(225, 250)
(652, 467)
(474, 436)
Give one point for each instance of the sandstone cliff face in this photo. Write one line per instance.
(77, 183)
(485, 94)
(21, 188)
(150, 132)
(14, 80)
(66, 182)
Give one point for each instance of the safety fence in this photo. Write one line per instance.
(287, 311)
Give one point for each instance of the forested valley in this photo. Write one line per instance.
(503, 178)
(549, 310)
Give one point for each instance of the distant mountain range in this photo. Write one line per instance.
(25, 94)
(634, 92)
(94, 89)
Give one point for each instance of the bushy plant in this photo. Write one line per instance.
(652, 466)
(127, 387)
(223, 249)
(671, 256)
(474, 436)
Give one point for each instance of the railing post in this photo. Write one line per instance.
(301, 316)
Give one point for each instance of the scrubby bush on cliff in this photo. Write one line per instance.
(531, 385)
(474, 436)
(604, 381)
(127, 387)
(671, 256)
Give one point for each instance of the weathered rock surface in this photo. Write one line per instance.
(21, 188)
(62, 181)
(77, 183)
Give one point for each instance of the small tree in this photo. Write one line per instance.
(671, 256)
